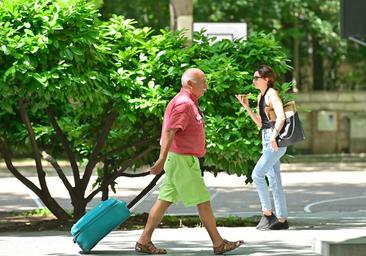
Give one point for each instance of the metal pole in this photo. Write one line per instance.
(357, 40)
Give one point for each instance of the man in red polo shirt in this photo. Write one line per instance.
(182, 143)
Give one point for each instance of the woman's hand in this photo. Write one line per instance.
(274, 145)
(243, 99)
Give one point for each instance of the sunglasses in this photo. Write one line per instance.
(255, 78)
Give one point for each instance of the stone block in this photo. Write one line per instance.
(346, 97)
(324, 96)
(354, 247)
(359, 96)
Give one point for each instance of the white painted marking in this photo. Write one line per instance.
(214, 194)
(307, 208)
(36, 199)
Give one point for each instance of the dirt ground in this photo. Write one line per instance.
(12, 222)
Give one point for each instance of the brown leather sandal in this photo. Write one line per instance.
(149, 248)
(227, 246)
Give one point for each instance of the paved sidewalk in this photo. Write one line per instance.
(183, 241)
(327, 217)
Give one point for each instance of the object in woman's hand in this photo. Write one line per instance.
(242, 96)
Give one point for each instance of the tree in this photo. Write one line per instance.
(59, 83)
(154, 14)
(92, 92)
(181, 17)
(308, 30)
(47, 54)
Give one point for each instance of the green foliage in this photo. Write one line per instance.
(49, 58)
(42, 56)
(149, 13)
(40, 212)
(153, 71)
(194, 221)
(233, 144)
(97, 3)
(60, 55)
(313, 23)
(143, 79)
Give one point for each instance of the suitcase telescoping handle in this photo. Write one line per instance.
(144, 193)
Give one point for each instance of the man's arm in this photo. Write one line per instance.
(166, 142)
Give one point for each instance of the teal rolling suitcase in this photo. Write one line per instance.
(106, 216)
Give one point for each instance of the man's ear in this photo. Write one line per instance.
(189, 84)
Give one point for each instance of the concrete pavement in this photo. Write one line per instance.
(189, 241)
(327, 203)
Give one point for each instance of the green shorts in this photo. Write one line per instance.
(183, 181)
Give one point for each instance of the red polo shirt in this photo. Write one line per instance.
(182, 113)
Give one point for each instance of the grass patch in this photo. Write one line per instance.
(174, 221)
(39, 212)
(42, 219)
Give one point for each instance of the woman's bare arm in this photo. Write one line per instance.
(277, 105)
(243, 99)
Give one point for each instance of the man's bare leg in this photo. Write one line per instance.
(207, 217)
(208, 220)
(155, 216)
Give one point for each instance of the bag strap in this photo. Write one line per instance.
(145, 192)
(289, 106)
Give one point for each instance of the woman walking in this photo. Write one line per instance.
(269, 163)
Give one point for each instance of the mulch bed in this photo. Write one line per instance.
(10, 222)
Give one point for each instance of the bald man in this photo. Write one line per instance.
(182, 143)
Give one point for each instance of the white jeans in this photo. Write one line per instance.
(269, 165)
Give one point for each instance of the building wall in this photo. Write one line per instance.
(333, 122)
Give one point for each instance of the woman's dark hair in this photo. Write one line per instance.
(267, 72)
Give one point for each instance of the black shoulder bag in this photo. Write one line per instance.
(291, 131)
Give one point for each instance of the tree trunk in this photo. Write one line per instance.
(289, 42)
(297, 68)
(79, 205)
(93, 159)
(44, 193)
(48, 201)
(55, 208)
(181, 17)
(317, 66)
(106, 175)
(66, 145)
